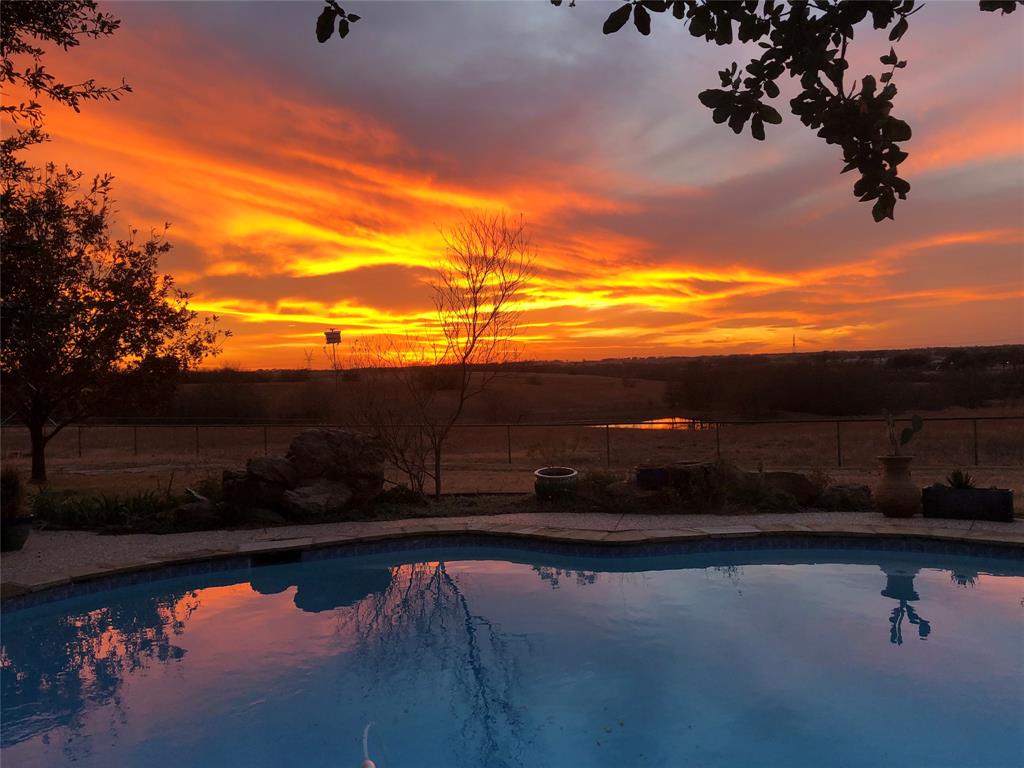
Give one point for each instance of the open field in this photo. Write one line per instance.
(112, 458)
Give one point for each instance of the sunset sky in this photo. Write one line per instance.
(305, 183)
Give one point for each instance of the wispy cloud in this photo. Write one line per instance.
(306, 184)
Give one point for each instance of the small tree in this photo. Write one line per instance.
(420, 387)
(80, 313)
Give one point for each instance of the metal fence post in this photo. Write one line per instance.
(718, 441)
(839, 447)
(975, 442)
(608, 444)
(508, 437)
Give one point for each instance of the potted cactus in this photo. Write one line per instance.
(896, 495)
(961, 499)
(15, 525)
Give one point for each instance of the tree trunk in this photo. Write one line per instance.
(437, 472)
(35, 431)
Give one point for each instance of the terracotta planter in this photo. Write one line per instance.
(895, 494)
(555, 483)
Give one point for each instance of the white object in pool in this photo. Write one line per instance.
(367, 762)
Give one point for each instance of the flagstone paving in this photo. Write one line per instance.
(53, 558)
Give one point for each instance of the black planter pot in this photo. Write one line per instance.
(14, 532)
(968, 503)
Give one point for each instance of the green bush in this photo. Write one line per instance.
(138, 511)
(400, 494)
(960, 478)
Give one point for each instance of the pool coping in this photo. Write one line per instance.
(263, 550)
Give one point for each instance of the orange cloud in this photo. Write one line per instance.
(265, 181)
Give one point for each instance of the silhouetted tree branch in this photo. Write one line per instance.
(24, 27)
(807, 40)
(421, 386)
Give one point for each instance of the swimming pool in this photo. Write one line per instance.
(470, 655)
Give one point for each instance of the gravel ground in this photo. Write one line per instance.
(61, 554)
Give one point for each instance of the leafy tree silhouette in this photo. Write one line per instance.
(807, 40)
(79, 309)
(83, 317)
(26, 29)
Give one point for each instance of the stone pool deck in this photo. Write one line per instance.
(56, 558)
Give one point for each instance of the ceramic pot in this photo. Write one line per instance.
(554, 483)
(895, 494)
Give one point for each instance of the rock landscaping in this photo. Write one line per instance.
(325, 472)
(718, 486)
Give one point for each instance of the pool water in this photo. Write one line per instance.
(503, 657)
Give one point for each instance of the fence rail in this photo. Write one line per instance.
(624, 440)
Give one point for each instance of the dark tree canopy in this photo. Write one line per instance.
(808, 41)
(84, 318)
(82, 314)
(24, 28)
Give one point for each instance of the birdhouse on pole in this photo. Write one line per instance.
(333, 339)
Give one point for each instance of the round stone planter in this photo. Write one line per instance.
(896, 495)
(555, 483)
(14, 532)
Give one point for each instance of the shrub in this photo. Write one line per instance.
(960, 478)
(400, 494)
(142, 511)
(596, 481)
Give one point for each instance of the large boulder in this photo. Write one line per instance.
(325, 471)
(339, 455)
(273, 470)
(323, 499)
(707, 485)
(196, 516)
(243, 489)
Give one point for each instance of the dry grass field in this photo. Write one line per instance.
(111, 459)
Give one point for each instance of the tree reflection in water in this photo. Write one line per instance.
(423, 623)
(963, 577)
(69, 665)
(554, 576)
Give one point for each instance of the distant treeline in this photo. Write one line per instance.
(823, 383)
(741, 386)
(756, 389)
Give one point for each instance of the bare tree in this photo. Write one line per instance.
(421, 386)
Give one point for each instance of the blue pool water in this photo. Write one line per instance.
(504, 657)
